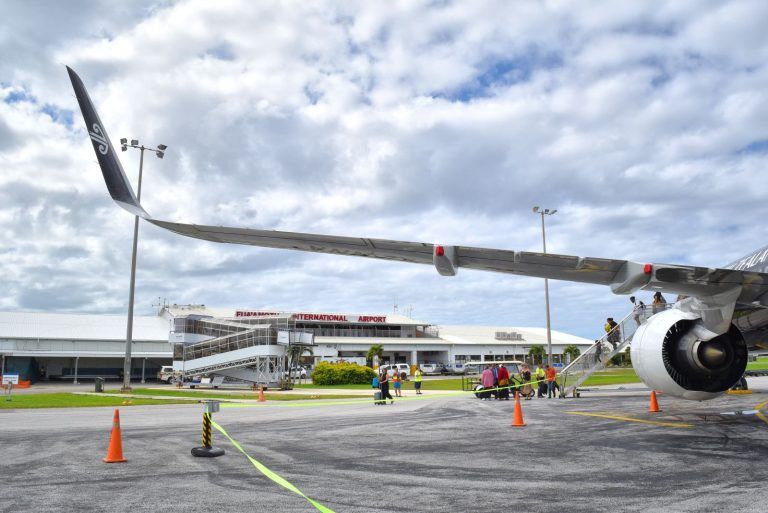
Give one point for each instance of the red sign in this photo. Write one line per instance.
(318, 317)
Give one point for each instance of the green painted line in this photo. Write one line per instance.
(270, 474)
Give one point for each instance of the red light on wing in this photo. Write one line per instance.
(647, 268)
(439, 250)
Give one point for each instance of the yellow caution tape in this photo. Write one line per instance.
(271, 475)
(760, 414)
(332, 402)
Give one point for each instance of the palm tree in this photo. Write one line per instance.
(373, 351)
(295, 353)
(537, 350)
(572, 352)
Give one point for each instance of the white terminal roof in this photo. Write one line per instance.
(32, 325)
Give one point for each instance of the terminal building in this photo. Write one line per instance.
(43, 346)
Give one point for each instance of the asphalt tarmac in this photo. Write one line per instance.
(430, 454)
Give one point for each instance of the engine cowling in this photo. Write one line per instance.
(671, 352)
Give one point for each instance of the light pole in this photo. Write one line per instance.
(546, 212)
(160, 152)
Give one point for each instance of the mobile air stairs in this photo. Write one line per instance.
(600, 353)
(253, 351)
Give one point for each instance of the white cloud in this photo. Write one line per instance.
(642, 123)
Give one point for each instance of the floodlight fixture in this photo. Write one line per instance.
(160, 154)
(535, 210)
(124, 147)
(134, 142)
(553, 212)
(162, 147)
(123, 141)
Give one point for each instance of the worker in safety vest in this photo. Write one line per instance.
(417, 381)
(540, 378)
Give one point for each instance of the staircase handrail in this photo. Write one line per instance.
(599, 341)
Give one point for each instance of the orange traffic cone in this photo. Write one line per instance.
(261, 393)
(517, 418)
(115, 451)
(654, 403)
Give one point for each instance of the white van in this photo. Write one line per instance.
(399, 367)
(166, 374)
(431, 368)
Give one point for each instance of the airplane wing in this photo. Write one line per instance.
(623, 276)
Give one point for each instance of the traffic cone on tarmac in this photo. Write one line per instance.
(115, 451)
(517, 418)
(654, 408)
(261, 393)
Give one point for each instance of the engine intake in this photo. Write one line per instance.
(670, 352)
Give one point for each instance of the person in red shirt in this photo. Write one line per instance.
(551, 374)
(502, 376)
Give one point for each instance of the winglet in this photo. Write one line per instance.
(114, 176)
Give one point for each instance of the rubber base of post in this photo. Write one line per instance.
(207, 452)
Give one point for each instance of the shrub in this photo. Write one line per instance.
(342, 373)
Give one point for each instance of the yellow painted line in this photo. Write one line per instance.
(760, 414)
(630, 419)
(739, 392)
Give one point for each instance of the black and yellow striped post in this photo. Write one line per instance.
(207, 450)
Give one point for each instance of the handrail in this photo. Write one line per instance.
(619, 338)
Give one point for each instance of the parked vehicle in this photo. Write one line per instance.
(298, 372)
(431, 368)
(455, 368)
(166, 374)
(399, 367)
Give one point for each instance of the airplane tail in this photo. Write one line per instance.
(117, 183)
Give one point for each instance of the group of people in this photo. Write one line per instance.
(658, 304)
(496, 382)
(383, 380)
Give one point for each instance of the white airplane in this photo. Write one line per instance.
(696, 350)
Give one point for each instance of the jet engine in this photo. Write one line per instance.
(674, 353)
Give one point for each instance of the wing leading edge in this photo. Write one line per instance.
(622, 276)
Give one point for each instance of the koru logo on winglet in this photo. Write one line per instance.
(98, 137)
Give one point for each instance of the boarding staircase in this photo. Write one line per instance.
(253, 352)
(600, 353)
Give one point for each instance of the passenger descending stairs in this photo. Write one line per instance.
(594, 359)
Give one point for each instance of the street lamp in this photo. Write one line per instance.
(159, 151)
(546, 212)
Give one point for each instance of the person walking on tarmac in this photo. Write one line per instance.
(502, 375)
(488, 382)
(384, 385)
(417, 380)
(551, 376)
(541, 381)
(525, 377)
(397, 384)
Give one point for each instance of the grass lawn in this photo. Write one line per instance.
(760, 364)
(615, 376)
(269, 396)
(71, 401)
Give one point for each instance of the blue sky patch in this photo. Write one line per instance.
(502, 73)
(19, 95)
(222, 52)
(759, 146)
(63, 116)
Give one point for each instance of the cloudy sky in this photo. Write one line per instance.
(643, 123)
